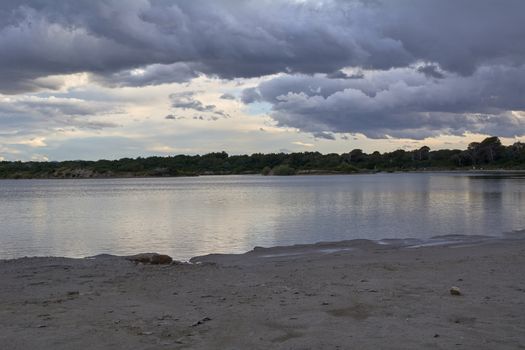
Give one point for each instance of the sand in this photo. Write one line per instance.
(347, 295)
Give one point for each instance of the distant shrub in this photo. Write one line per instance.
(347, 168)
(266, 171)
(283, 170)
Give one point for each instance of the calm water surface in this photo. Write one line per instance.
(185, 217)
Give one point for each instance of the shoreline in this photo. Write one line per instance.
(359, 294)
(321, 247)
(307, 173)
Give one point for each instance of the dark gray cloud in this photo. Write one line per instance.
(250, 95)
(154, 74)
(342, 75)
(186, 101)
(173, 117)
(227, 96)
(400, 102)
(172, 40)
(28, 115)
(431, 70)
(324, 135)
(211, 118)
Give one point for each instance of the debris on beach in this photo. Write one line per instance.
(455, 291)
(151, 258)
(198, 323)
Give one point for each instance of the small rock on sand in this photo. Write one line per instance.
(455, 291)
(151, 258)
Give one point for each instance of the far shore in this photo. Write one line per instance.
(305, 173)
(343, 295)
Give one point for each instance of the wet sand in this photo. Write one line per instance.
(347, 295)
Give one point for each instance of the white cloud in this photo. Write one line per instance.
(163, 149)
(39, 158)
(303, 144)
(33, 142)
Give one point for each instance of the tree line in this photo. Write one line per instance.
(487, 154)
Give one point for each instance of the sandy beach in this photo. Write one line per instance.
(347, 295)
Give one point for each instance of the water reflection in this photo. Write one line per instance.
(185, 217)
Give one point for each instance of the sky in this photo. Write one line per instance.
(107, 79)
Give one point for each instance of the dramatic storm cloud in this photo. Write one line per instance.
(381, 68)
(401, 102)
(252, 38)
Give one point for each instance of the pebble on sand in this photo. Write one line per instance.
(455, 291)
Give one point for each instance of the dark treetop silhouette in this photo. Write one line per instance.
(487, 154)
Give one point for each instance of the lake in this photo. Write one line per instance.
(186, 217)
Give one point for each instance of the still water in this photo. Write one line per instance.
(185, 217)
